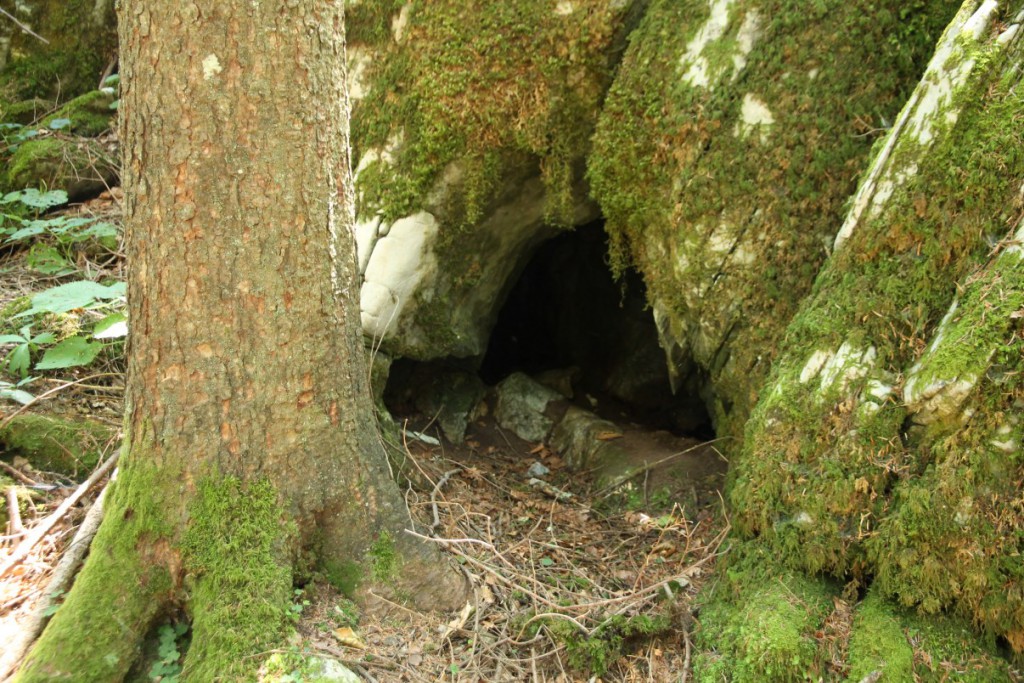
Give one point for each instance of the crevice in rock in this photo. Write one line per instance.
(570, 325)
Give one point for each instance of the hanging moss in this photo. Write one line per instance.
(729, 143)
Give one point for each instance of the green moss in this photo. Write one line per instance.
(492, 89)
(25, 112)
(11, 309)
(236, 553)
(904, 647)
(55, 444)
(838, 477)
(385, 562)
(879, 644)
(345, 576)
(78, 166)
(71, 62)
(728, 221)
(123, 587)
(759, 624)
(90, 114)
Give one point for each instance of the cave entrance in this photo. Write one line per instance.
(566, 316)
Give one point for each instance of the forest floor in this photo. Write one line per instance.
(571, 581)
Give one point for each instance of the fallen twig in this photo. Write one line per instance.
(17, 474)
(59, 582)
(13, 513)
(41, 529)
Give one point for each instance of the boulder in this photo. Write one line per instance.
(724, 154)
(470, 129)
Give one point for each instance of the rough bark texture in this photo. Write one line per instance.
(250, 435)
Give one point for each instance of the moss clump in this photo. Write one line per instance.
(759, 624)
(82, 168)
(56, 444)
(90, 114)
(723, 171)
(11, 309)
(904, 647)
(492, 89)
(235, 552)
(385, 562)
(132, 553)
(878, 643)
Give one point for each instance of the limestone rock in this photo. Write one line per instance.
(521, 407)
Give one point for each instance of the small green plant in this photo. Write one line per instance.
(298, 605)
(346, 613)
(14, 392)
(20, 357)
(167, 668)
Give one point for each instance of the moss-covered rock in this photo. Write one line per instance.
(90, 114)
(82, 41)
(81, 167)
(470, 126)
(886, 445)
(25, 112)
(760, 624)
(730, 140)
(896, 646)
(54, 444)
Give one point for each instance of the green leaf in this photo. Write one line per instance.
(58, 124)
(43, 338)
(80, 294)
(70, 353)
(25, 233)
(546, 561)
(39, 200)
(45, 259)
(12, 339)
(19, 360)
(112, 81)
(16, 395)
(114, 326)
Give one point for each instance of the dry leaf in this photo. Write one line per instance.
(608, 436)
(349, 638)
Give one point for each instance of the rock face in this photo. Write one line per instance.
(470, 131)
(723, 157)
(886, 445)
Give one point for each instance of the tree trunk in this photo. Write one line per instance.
(250, 443)
(886, 446)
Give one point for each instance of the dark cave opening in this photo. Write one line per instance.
(567, 314)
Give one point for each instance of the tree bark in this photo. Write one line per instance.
(250, 445)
